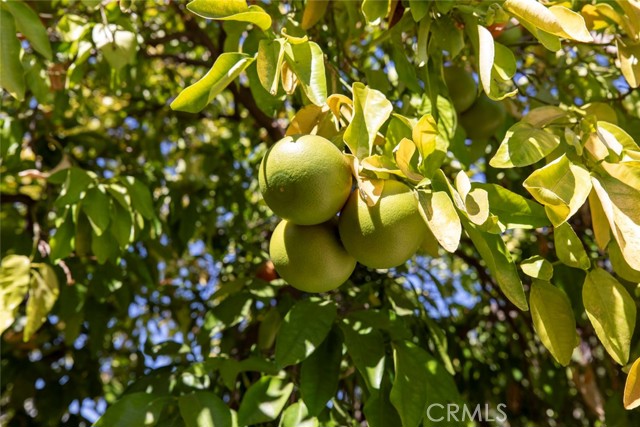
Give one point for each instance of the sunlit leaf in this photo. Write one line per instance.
(14, 284)
(572, 23)
(612, 313)
(204, 409)
(537, 267)
(233, 10)
(365, 345)
(533, 12)
(513, 210)
(297, 415)
(632, 387)
(140, 409)
(553, 320)
(28, 23)
(370, 110)
(269, 63)
(561, 186)
(227, 67)
(375, 10)
(524, 145)
(438, 212)
(264, 400)
(314, 10)
(43, 293)
(629, 57)
(306, 60)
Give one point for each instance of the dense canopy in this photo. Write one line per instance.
(136, 286)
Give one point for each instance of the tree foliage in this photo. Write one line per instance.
(135, 285)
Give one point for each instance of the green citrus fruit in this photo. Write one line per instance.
(483, 119)
(462, 87)
(310, 257)
(510, 36)
(305, 179)
(387, 234)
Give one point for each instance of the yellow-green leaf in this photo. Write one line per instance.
(314, 10)
(306, 60)
(572, 23)
(231, 10)
(553, 320)
(370, 110)
(629, 57)
(11, 72)
(523, 145)
(441, 217)
(513, 210)
(14, 284)
(599, 221)
(620, 265)
(227, 67)
(424, 135)
(561, 186)
(404, 154)
(534, 13)
(612, 313)
(43, 293)
(269, 63)
(632, 387)
(569, 248)
(620, 205)
(537, 267)
(486, 56)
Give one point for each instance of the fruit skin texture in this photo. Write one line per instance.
(310, 257)
(305, 179)
(387, 234)
(462, 88)
(483, 119)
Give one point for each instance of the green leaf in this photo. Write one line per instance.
(320, 374)
(419, 9)
(28, 23)
(535, 13)
(366, 348)
(524, 145)
(104, 246)
(620, 265)
(268, 329)
(513, 210)
(553, 320)
(448, 36)
(121, 225)
(537, 267)
(227, 67)
(378, 409)
(314, 10)
(438, 212)
(135, 409)
(306, 60)
(264, 401)
(542, 116)
(43, 293)
(97, 205)
(569, 248)
(375, 10)
(612, 313)
(140, 197)
(205, 409)
(231, 10)
(619, 202)
(304, 328)
(370, 110)
(297, 415)
(419, 380)
(269, 62)
(11, 72)
(60, 242)
(14, 284)
(628, 54)
(74, 185)
(561, 186)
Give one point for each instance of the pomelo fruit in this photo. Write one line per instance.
(483, 119)
(305, 179)
(462, 87)
(310, 257)
(387, 234)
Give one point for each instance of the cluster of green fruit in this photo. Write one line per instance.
(327, 226)
(480, 116)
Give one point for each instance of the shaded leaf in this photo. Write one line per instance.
(513, 210)
(28, 23)
(43, 293)
(365, 346)
(553, 320)
(612, 313)
(11, 72)
(297, 415)
(60, 242)
(139, 409)
(140, 197)
(320, 373)
(269, 63)
(97, 205)
(227, 67)
(304, 328)
(314, 10)
(74, 185)
(569, 248)
(378, 409)
(375, 10)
